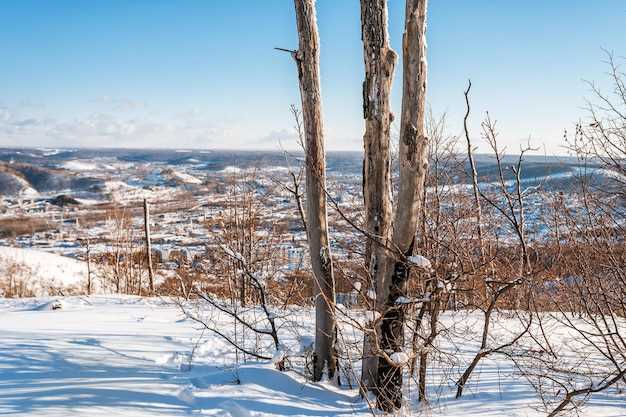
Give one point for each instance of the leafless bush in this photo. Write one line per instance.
(15, 281)
(123, 265)
(246, 268)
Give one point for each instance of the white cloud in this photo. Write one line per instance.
(284, 137)
(112, 129)
(104, 123)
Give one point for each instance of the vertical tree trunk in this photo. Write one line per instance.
(380, 62)
(413, 161)
(307, 59)
(146, 226)
(413, 155)
(89, 289)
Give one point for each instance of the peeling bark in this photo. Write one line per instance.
(380, 62)
(307, 60)
(413, 158)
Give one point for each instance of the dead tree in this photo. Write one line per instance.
(307, 61)
(379, 60)
(389, 268)
(387, 248)
(413, 166)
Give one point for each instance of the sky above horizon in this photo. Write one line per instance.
(204, 74)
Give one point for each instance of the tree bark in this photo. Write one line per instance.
(307, 59)
(89, 289)
(146, 226)
(413, 150)
(379, 60)
(413, 161)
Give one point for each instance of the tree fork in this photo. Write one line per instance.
(413, 161)
(389, 384)
(379, 61)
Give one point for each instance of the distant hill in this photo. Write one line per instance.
(32, 171)
(27, 179)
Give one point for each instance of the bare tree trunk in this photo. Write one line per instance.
(89, 289)
(413, 159)
(413, 148)
(146, 226)
(380, 62)
(307, 59)
(242, 290)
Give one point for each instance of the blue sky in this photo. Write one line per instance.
(203, 73)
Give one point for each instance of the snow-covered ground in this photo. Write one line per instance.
(112, 356)
(129, 356)
(41, 271)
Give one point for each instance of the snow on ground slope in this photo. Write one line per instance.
(128, 356)
(40, 270)
(102, 356)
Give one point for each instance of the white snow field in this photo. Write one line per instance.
(42, 271)
(129, 356)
